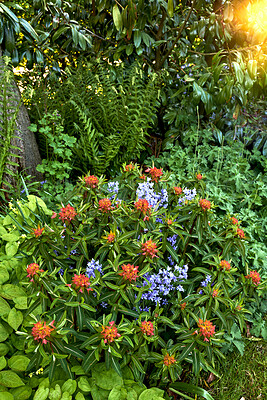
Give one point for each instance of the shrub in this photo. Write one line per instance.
(131, 273)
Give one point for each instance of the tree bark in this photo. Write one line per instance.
(25, 141)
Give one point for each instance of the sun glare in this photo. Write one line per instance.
(257, 16)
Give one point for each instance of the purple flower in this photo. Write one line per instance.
(91, 267)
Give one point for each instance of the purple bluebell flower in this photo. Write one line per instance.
(91, 267)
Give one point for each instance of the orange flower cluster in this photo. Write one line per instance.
(110, 332)
(129, 272)
(111, 237)
(142, 205)
(155, 173)
(234, 221)
(205, 204)
(183, 305)
(41, 331)
(149, 248)
(168, 360)
(225, 265)
(80, 282)
(240, 233)
(178, 190)
(104, 205)
(38, 231)
(67, 213)
(206, 329)
(129, 167)
(33, 269)
(91, 181)
(255, 277)
(215, 293)
(147, 328)
(199, 177)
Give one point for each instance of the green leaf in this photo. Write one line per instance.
(84, 384)
(2, 362)
(188, 349)
(151, 394)
(117, 18)
(11, 248)
(18, 363)
(4, 307)
(10, 379)
(137, 38)
(170, 8)
(15, 318)
(106, 379)
(3, 333)
(191, 389)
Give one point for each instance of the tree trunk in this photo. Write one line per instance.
(25, 141)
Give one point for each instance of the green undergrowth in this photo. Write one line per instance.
(243, 376)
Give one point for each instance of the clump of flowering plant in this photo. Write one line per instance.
(149, 248)
(67, 213)
(33, 269)
(178, 190)
(255, 277)
(155, 173)
(205, 204)
(81, 282)
(207, 329)
(104, 205)
(38, 231)
(152, 279)
(110, 332)
(147, 328)
(129, 272)
(42, 332)
(91, 181)
(240, 233)
(225, 265)
(169, 360)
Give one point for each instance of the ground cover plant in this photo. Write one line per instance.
(134, 276)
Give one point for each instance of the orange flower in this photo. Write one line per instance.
(104, 205)
(91, 181)
(168, 360)
(255, 277)
(225, 265)
(80, 282)
(240, 233)
(38, 231)
(183, 305)
(178, 190)
(206, 329)
(54, 215)
(110, 332)
(147, 328)
(142, 177)
(129, 167)
(129, 272)
(215, 293)
(33, 269)
(205, 204)
(142, 205)
(149, 248)
(169, 221)
(234, 221)
(155, 173)
(67, 213)
(199, 177)
(41, 331)
(111, 237)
